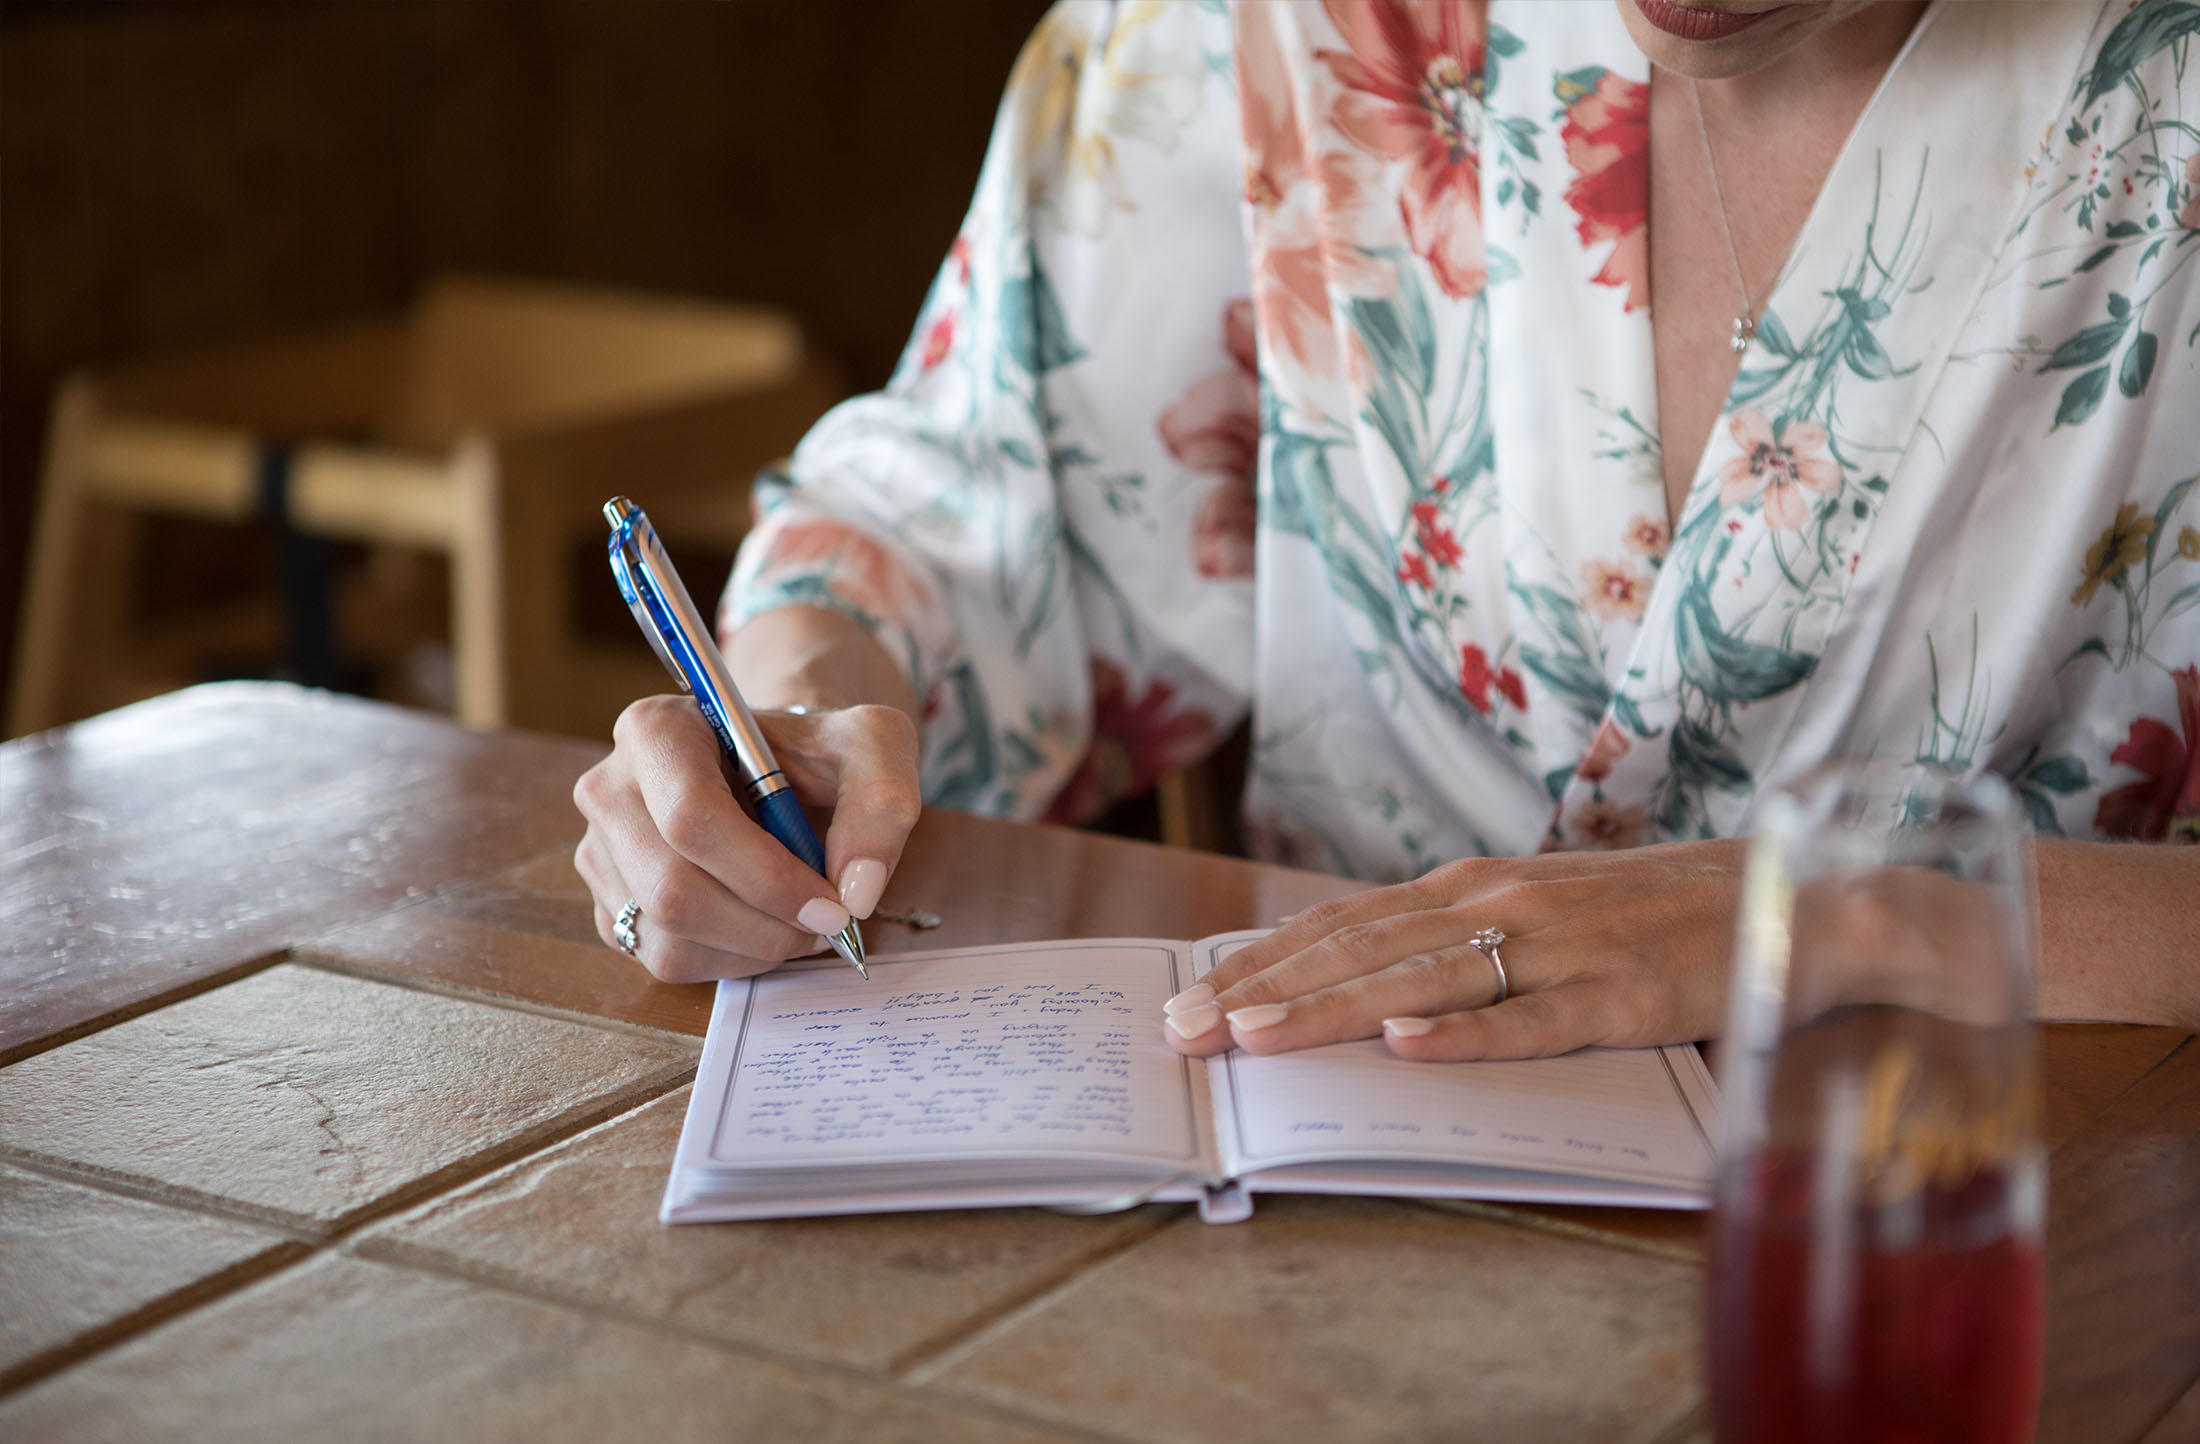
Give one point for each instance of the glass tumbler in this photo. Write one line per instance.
(1875, 1264)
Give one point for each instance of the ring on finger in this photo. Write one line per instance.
(1485, 942)
(622, 927)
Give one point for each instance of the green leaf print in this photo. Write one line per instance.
(2063, 774)
(1700, 759)
(1032, 324)
(2149, 27)
(1727, 667)
(2082, 397)
(2088, 346)
(2138, 364)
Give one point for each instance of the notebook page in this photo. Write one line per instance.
(1043, 1048)
(1638, 1115)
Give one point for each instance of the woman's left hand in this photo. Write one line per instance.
(1625, 949)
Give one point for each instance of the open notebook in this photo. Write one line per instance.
(1035, 1073)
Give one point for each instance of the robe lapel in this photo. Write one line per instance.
(1890, 262)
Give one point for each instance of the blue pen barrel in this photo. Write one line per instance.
(783, 817)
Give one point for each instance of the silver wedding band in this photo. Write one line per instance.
(622, 927)
(1485, 942)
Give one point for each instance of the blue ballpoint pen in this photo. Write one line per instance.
(683, 643)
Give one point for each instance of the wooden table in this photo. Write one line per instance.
(325, 1116)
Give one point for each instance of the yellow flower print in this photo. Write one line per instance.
(2188, 544)
(2124, 543)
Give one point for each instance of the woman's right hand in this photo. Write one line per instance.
(720, 897)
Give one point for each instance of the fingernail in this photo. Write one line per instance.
(1257, 1017)
(1198, 995)
(1199, 1020)
(1408, 1027)
(822, 915)
(861, 882)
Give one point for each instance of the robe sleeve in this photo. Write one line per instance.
(1009, 516)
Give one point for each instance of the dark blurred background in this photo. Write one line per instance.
(192, 172)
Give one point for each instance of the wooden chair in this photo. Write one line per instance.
(488, 425)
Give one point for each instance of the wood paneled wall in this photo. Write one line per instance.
(183, 172)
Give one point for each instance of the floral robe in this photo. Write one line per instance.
(1297, 358)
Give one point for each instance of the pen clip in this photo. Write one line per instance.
(636, 585)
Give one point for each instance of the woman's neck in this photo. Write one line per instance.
(1854, 53)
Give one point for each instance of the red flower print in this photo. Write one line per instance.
(959, 253)
(2188, 215)
(1784, 467)
(1412, 79)
(1435, 538)
(1597, 823)
(1646, 537)
(1607, 137)
(1222, 537)
(1215, 427)
(2166, 805)
(1134, 741)
(938, 341)
(1614, 591)
(1413, 571)
(1310, 212)
(1607, 747)
(856, 568)
(1476, 678)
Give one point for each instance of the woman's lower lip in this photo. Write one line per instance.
(1689, 23)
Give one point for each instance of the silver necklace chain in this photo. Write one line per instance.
(1745, 325)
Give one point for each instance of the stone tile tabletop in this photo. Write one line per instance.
(78, 1264)
(345, 1349)
(1352, 1319)
(876, 1292)
(310, 1098)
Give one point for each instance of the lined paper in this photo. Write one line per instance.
(1045, 1048)
(1622, 1114)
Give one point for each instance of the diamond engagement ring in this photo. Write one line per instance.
(1485, 942)
(622, 927)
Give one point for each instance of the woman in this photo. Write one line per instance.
(1302, 359)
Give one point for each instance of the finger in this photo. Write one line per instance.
(674, 762)
(1531, 1025)
(668, 957)
(624, 858)
(1460, 883)
(863, 760)
(1353, 951)
(1439, 981)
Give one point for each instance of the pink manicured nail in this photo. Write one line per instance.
(1408, 1027)
(1196, 1021)
(822, 915)
(1259, 1016)
(861, 882)
(1198, 995)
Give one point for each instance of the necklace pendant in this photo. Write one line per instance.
(1745, 330)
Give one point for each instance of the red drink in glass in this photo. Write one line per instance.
(1920, 1328)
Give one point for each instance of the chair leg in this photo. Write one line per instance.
(77, 600)
(478, 653)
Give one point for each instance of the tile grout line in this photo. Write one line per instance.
(922, 1372)
(138, 1008)
(222, 1282)
(2120, 1094)
(236, 972)
(907, 1364)
(1561, 1228)
(2170, 1407)
(303, 956)
(300, 1244)
(414, 1258)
